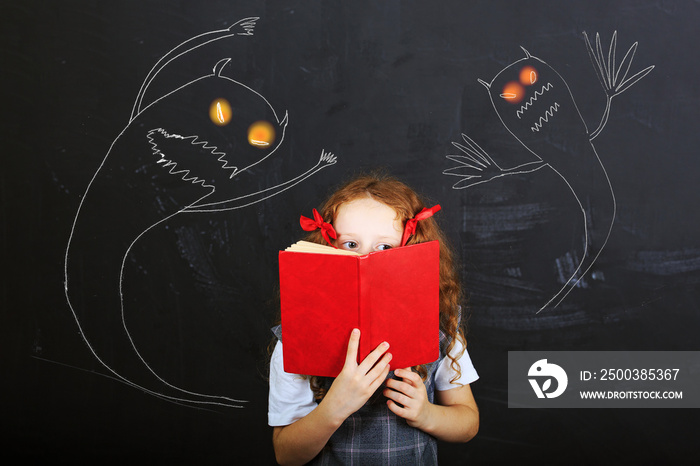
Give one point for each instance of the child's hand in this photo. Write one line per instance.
(357, 382)
(411, 394)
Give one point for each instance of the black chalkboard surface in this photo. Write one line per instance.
(138, 296)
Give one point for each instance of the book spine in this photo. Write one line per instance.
(365, 306)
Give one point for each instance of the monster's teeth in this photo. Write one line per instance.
(194, 140)
(184, 174)
(545, 118)
(533, 99)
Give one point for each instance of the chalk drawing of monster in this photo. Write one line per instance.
(536, 106)
(183, 150)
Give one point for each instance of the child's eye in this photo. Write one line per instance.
(384, 247)
(349, 245)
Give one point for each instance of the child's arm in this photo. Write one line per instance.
(454, 417)
(302, 440)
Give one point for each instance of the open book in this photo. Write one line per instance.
(389, 295)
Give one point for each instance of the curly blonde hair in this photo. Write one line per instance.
(406, 203)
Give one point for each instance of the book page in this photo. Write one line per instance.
(315, 248)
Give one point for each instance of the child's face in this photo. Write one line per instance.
(365, 225)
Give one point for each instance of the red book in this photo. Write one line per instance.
(389, 295)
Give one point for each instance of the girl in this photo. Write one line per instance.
(343, 420)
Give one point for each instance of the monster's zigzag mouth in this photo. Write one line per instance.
(545, 118)
(194, 140)
(533, 99)
(184, 172)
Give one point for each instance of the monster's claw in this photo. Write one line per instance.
(626, 83)
(327, 157)
(475, 167)
(613, 78)
(246, 26)
(465, 164)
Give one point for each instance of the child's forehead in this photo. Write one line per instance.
(366, 214)
(364, 206)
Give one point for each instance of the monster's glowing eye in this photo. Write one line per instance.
(528, 76)
(513, 92)
(220, 112)
(261, 134)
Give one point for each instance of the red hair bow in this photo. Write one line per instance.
(410, 227)
(327, 230)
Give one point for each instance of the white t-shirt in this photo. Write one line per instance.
(291, 397)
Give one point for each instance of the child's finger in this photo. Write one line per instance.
(398, 397)
(383, 367)
(408, 376)
(380, 367)
(353, 345)
(399, 386)
(396, 409)
(373, 357)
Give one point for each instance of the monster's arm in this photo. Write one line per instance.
(614, 81)
(324, 161)
(243, 27)
(476, 166)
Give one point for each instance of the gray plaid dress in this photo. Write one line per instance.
(375, 436)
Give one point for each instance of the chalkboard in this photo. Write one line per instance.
(134, 329)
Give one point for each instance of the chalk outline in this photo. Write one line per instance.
(326, 159)
(614, 82)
